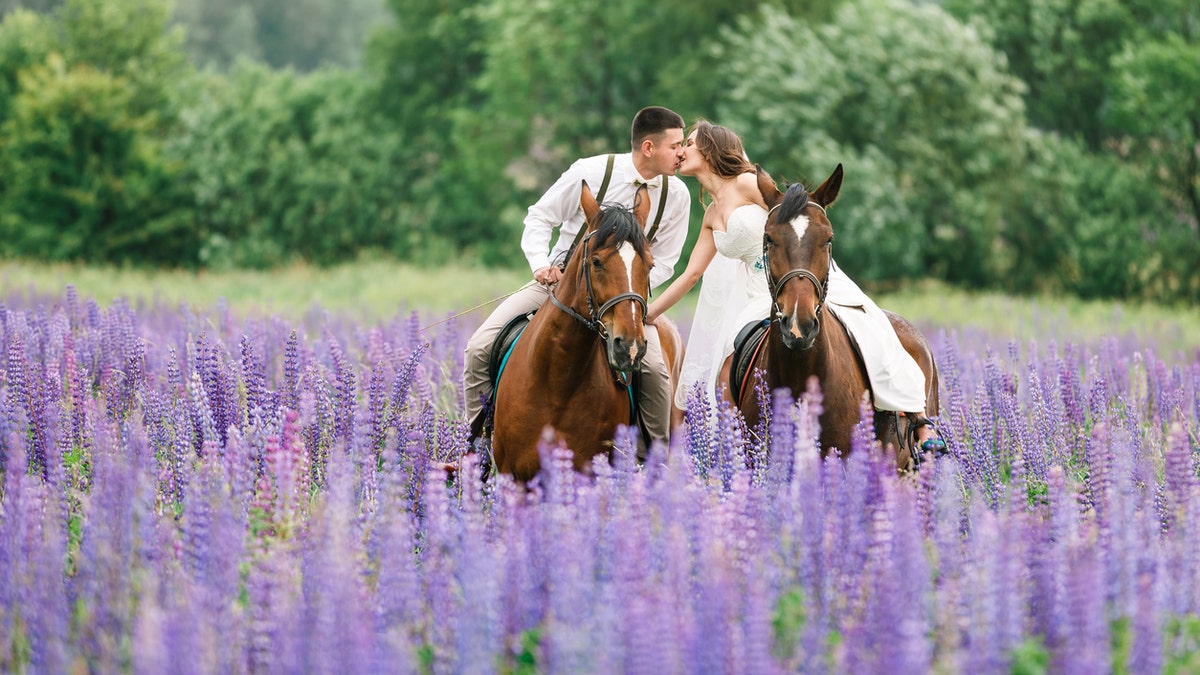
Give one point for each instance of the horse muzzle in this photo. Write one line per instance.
(624, 353)
(799, 335)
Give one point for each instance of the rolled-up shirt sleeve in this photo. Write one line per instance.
(557, 206)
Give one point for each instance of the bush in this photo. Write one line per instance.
(84, 178)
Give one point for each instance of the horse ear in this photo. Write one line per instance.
(766, 185)
(641, 204)
(828, 192)
(590, 208)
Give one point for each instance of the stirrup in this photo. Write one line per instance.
(934, 445)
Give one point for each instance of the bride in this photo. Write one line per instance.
(734, 291)
(728, 255)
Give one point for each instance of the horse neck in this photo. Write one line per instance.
(797, 366)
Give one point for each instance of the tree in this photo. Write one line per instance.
(81, 141)
(1157, 101)
(25, 39)
(918, 108)
(83, 176)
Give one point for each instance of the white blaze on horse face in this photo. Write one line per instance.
(628, 255)
(800, 225)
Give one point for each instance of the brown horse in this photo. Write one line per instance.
(803, 341)
(571, 369)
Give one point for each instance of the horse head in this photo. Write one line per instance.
(798, 246)
(611, 268)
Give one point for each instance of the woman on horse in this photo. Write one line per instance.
(728, 257)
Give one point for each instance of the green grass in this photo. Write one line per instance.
(367, 290)
(1062, 318)
(372, 290)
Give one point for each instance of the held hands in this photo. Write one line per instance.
(548, 276)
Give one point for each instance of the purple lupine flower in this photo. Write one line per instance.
(254, 378)
(346, 393)
(759, 453)
(700, 444)
(291, 372)
(1179, 475)
(781, 435)
(730, 442)
(1087, 650)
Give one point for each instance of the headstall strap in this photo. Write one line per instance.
(594, 323)
(821, 286)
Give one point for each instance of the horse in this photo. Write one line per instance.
(571, 370)
(803, 342)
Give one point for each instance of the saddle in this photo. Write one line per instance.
(746, 347)
(506, 339)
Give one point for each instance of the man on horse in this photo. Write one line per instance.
(656, 141)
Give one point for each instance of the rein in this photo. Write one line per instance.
(594, 324)
(795, 273)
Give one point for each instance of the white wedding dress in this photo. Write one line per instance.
(733, 292)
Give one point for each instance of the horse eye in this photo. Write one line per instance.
(596, 262)
(768, 240)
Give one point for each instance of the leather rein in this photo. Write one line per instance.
(794, 273)
(594, 324)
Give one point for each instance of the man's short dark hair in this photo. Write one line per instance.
(652, 121)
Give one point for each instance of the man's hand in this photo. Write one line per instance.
(548, 276)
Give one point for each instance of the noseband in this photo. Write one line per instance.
(594, 323)
(796, 273)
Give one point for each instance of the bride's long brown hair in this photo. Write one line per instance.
(722, 149)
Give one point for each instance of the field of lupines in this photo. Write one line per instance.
(191, 492)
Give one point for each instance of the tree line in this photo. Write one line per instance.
(1020, 145)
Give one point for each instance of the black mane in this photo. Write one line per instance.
(793, 202)
(617, 225)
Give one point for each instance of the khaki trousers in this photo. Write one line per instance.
(655, 393)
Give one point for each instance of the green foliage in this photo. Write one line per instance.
(787, 623)
(930, 130)
(84, 179)
(127, 39)
(283, 166)
(1030, 657)
(1032, 146)
(25, 39)
(525, 660)
(300, 34)
(1061, 50)
(1156, 102)
(1182, 635)
(80, 142)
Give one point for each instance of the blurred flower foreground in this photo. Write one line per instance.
(185, 493)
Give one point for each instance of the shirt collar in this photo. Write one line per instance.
(637, 180)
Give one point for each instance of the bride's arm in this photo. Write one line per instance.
(702, 254)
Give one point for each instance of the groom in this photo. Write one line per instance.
(656, 140)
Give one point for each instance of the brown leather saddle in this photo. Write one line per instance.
(746, 347)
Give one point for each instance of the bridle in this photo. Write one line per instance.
(795, 273)
(594, 323)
